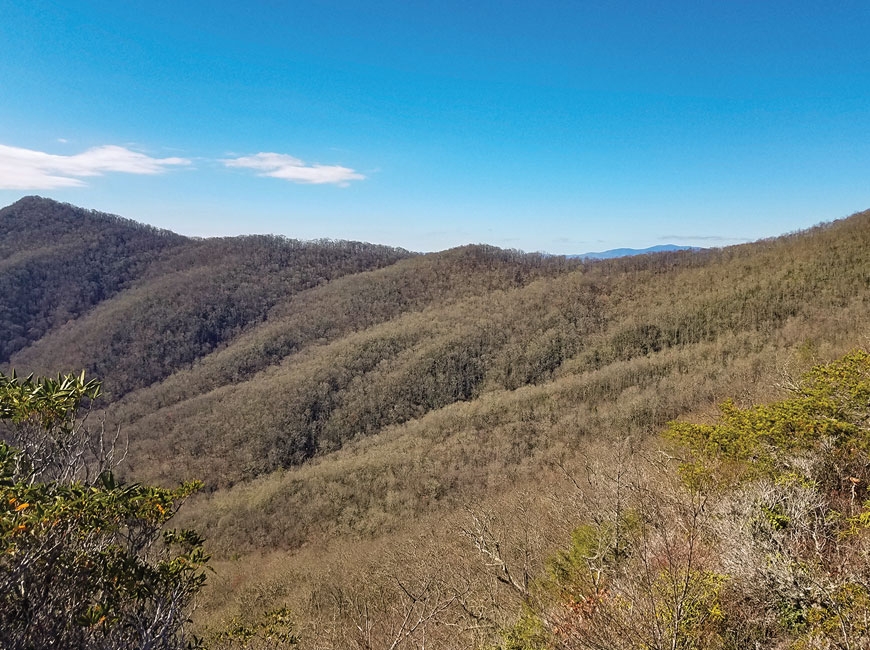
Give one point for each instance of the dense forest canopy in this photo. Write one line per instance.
(133, 303)
(357, 412)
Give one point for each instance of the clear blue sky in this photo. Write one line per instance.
(556, 126)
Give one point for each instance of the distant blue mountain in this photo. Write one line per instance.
(625, 252)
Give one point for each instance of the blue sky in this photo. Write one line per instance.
(556, 126)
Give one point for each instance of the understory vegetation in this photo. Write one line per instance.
(85, 561)
(753, 531)
(464, 449)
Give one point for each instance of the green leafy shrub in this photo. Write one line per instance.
(85, 562)
(273, 630)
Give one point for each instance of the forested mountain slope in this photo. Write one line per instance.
(133, 304)
(482, 416)
(345, 396)
(264, 352)
(361, 356)
(57, 262)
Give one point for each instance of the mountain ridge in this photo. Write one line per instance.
(627, 252)
(353, 398)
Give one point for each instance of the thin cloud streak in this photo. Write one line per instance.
(289, 168)
(26, 169)
(706, 238)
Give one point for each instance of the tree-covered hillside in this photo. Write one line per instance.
(367, 421)
(133, 304)
(57, 262)
(371, 351)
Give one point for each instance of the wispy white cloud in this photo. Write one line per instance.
(714, 239)
(26, 169)
(288, 168)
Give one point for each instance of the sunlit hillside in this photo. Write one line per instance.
(364, 417)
